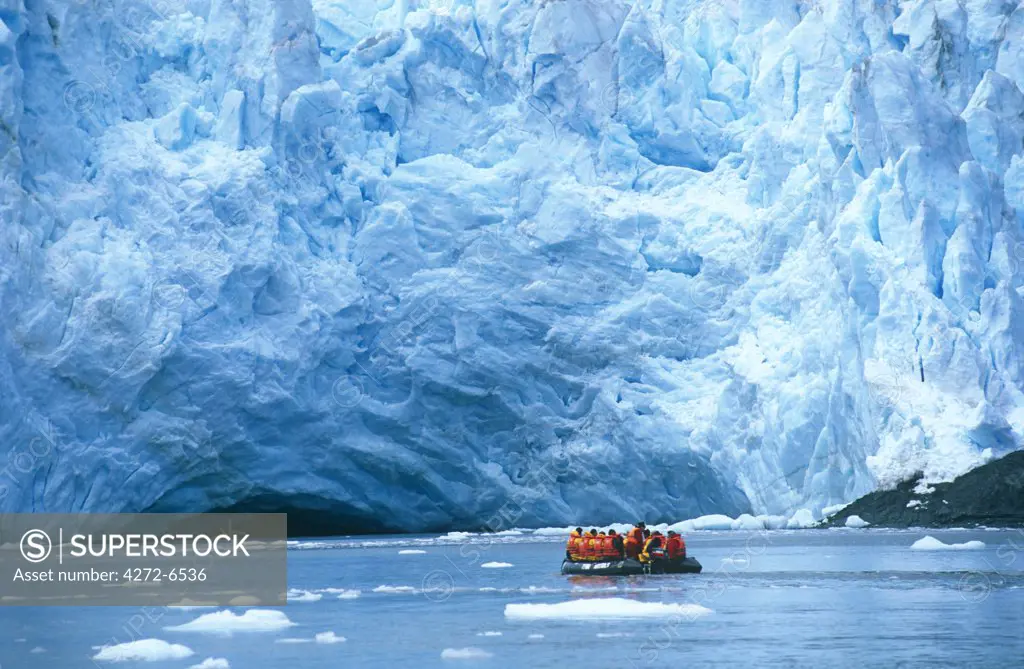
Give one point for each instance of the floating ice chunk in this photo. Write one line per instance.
(609, 608)
(488, 633)
(412, 551)
(394, 589)
(226, 622)
(535, 636)
(464, 654)
(736, 560)
(857, 522)
(37, 650)
(328, 638)
(303, 596)
(496, 565)
(912, 503)
(143, 650)
(930, 543)
(612, 635)
(212, 663)
(800, 520)
(349, 594)
(457, 535)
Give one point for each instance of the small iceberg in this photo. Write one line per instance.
(143, 650)
(412, 551)
(464, 654)
(496, 565)
(856, 522)
(303, 596)
(932, 544)
(226, 622)
(394, 589)
(608, 608)
(212, 663)
(328, 638)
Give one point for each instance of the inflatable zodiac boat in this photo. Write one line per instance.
(630, 567)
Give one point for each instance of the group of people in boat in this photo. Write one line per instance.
(639, 544)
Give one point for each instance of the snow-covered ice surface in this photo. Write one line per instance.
(930, 543)
(409, 263)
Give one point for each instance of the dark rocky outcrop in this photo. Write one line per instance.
(991, 495)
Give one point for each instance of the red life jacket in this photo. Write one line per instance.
(572, 545)
(676, 547)
(589, 549)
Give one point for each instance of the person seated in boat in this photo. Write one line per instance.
(634, 542)
(604, 546)
(572, 546)
(590, 545)
(654, 548)
(617, 545)
(675, 546)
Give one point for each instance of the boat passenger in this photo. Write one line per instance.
(593, 546)
(675, 546)
(653, 548)
(572, 546)
(618, 546)
(635, 541)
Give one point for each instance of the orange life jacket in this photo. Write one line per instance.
(604, 546)
(589, 548)
(634, 542)
(572, 545)
(676, 547)
(615, 551)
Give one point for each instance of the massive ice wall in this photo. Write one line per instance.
(429, 263)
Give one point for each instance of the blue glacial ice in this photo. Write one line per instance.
(422, 264)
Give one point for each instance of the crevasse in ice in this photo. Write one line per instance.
(418, 264)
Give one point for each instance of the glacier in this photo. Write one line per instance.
(433, 264)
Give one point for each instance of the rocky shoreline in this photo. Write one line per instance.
(990, 495)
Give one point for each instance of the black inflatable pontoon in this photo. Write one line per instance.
(630, 567)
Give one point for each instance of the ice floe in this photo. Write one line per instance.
(227, 622)
(465, 654)
(609, 608)
(143, 650)
(930, 543)
(212, 663)
(303, 596)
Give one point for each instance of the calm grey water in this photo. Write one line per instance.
(836, 598)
